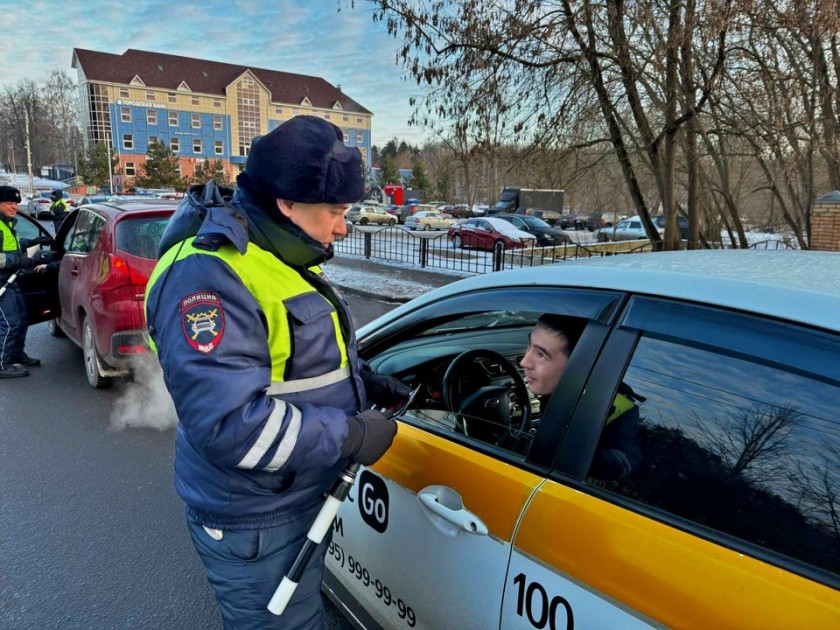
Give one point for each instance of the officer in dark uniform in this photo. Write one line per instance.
(259, 354)
(13, 316)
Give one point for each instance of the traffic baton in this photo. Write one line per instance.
(314, 536)
(321, 526)
(11, 279)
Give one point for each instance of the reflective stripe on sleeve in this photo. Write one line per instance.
(306, 384)
(284, 449)
(269, 433)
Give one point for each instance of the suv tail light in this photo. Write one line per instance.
(118, 274)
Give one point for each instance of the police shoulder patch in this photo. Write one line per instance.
(203, 321)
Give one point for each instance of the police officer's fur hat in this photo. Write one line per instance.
(57, 194)
(304, 160)
(9, 193)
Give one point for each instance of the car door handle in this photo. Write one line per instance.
(74, 272)
(446, 504)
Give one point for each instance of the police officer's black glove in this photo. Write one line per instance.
(26, 262)
(382, 390)
(369, 435)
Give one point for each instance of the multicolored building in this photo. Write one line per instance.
(204, 110)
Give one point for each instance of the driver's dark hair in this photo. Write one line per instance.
(561, 326)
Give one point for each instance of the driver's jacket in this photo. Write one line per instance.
(259, 355)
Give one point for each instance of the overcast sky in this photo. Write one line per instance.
(309, 37)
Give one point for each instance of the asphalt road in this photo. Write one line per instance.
(92, 534)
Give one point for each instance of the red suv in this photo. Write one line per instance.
(108, 252)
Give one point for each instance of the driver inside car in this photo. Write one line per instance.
(549, 347)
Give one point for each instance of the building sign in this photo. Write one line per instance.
(148, 104)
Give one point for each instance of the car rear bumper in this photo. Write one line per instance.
(126, 346)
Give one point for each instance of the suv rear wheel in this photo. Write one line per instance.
(363, 221)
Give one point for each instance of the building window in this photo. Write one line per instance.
(358, 119)
(194, 100)
(278, 111)
(128, 141)
(218, 147)
(175, 144)
(326, 116)
(196, 145)
(295, 111)
(217, 123)
(130, 170)
(173, 98)
(196, 121)
(346, 137)
(152, 140)
(150, 96)
(345, 117)
(123, 93)
(151, 117)
(217, 103)
(173, 119)
(360, 137)
(250, 115)
(125, 114)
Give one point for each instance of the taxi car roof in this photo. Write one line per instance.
(799, 286)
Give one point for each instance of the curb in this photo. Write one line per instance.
(370, 295)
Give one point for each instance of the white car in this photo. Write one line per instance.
(492, 508)
(428, 220)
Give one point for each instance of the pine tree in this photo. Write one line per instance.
(160, 169)
(93, 169)
(211, 169)
(388, 173)
(420, 179)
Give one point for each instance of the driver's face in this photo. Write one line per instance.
(545, 361)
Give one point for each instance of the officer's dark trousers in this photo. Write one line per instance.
(245, 568)
(13, 325)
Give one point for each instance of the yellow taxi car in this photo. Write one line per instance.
(490, 511)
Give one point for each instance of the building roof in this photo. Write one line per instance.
(168, 72)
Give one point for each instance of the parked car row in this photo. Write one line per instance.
(632, 229)
(489, 234)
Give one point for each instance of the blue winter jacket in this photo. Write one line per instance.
(259, 355)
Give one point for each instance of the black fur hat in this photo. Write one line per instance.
(56, 194)
(9, 193)
(304, 160)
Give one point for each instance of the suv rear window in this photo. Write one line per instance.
(140, 236)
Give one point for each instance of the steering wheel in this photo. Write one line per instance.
(488, 399)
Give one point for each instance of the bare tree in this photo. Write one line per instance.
(752, 444)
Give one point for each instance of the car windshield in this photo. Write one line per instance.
(140, 236)
(535, 222)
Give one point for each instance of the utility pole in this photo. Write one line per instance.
(29, 156)
(12, 151)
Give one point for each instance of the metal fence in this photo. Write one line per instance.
(433, 250)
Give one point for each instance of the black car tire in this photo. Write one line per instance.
(95, 378)
(392, 222)
(457, 242)
(427, 227)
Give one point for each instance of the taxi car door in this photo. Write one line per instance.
(728, 518)
(424, 538)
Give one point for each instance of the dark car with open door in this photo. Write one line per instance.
(40, 290)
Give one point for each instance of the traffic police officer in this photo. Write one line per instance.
(259, 354)
(59, 208)
(13, 316)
